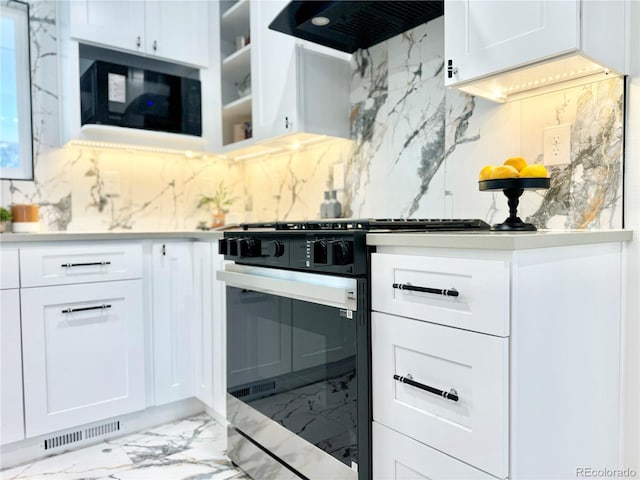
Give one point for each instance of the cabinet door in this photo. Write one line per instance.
(115, 24)
(273, 74)
(172, 321)
(11, 413)
(487, 36)
(83, 353)
(203, 322)
(177, 30)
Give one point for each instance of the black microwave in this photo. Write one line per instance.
(123, 96)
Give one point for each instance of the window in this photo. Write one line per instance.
(16, 144)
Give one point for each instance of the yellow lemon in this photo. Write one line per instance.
(485, 173)
(504, 171)
(516, 162)
(535, 170)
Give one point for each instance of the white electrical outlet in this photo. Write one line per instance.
(557, 145)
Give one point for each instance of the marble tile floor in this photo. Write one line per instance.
(189, 449)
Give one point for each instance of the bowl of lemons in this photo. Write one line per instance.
(513, 177)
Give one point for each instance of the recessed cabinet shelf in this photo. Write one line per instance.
(239, 58)
(236, 14)
(238, 108)
(235, 70)
(237, 66)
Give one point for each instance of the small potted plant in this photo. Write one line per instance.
(5, 219)
(220, 200)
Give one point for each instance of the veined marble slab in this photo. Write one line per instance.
(189, 449)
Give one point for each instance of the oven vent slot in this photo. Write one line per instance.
(241, 392)
(263, 387)
(103, 429)
(80, 435)
(260, 388)
(61, 440)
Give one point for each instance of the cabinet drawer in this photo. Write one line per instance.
(397, 457)
(93, 364)
(9, 268)
(80, 264)
(482, 303)
(472, 427)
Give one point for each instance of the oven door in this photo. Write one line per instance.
(292, 367)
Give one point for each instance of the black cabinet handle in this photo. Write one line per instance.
(84, 309)
(451, 292)
(155, 45)
(451, 70)
(89, 264)
(450, 395)
(138, 41)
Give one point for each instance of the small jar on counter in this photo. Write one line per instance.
(25, 218)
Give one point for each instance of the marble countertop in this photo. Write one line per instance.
(498, 240)
(210, 235)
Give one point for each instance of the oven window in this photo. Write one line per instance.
(295, 362)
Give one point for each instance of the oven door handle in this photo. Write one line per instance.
(298, 290)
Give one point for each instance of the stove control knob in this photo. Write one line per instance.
(342, 252)
(248, 247)
(319, 251)
(276, 248)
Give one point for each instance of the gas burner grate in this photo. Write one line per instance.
(426, 224)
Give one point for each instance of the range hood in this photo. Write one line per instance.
(352, 25)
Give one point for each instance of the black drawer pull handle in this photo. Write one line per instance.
(452, 292)
(69, 265)
(84, 309)
(450, 395)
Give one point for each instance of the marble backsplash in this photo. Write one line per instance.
(416, 150)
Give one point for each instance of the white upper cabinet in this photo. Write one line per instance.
(119, 25)
(296, 89)
(168, 30)
(483, 37)
(272, 84)
(488, 42)
(178, 31)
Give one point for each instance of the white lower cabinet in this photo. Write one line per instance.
(172, 321)
(398, 457)
(11, 413)
(505, 378)
(83, 353)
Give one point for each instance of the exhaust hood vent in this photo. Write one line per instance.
(352, 25)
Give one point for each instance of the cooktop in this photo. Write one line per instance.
(366, 224)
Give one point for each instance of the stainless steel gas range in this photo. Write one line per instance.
(298, 345)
